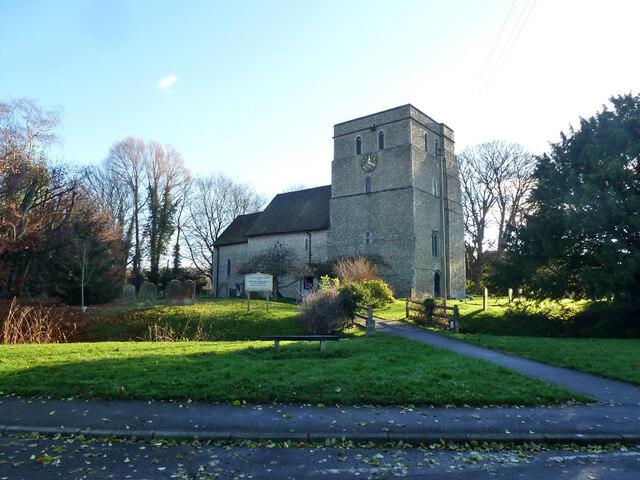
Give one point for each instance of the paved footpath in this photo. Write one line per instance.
(603, 390)
(614, 418)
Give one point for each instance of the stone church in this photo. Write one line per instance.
(395, 193)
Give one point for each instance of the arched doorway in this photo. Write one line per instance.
(436, 285)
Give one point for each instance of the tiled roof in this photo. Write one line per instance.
(236, 232)
(300, 211)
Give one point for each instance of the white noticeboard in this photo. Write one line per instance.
(257, 282)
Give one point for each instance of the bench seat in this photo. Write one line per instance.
(301, 338)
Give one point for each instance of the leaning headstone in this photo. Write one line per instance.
(129, 293)
(174, 292)
(148, 294)
(189, 292)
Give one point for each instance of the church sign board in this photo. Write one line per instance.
(257, 282)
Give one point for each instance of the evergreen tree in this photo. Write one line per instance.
(583, 236)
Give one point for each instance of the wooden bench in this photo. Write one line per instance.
(301, 338)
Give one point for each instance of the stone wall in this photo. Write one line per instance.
(295, 244)
(226, 283)
(403, 209)
(387, 216)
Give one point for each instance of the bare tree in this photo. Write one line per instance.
(214, 202)
(26, 130)
(123, 172)
(36, 200)
(278, 262)
(511, 170)
(496, 180)
(294, 187)
(166, 175)
(478, 199)
(113, 195)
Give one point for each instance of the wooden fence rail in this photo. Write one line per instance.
(439, 318)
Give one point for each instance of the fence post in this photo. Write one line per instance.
(407, 307)
(456, 318)
(371, 323)
(510, 293)
(485, 298)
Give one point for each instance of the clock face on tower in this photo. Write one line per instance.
(369, 162)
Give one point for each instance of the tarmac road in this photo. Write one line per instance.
(64, 458)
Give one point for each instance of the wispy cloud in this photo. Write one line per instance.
(167, 82)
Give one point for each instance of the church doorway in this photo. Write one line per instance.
(436, 285)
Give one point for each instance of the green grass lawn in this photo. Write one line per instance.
(395, 311)
(363, 370)
(471, 309)
(212, 320)
(606, 357)
(610, 358)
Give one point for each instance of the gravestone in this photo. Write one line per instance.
(148, 294)
(128, 293)
(174, 292)
(189, 292)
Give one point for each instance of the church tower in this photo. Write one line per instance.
(396, 194)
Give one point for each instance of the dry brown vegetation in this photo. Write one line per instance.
(324, 312)
(355, 270)
(35, 322)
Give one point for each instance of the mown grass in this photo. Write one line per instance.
(471, 309)
(394, 311)
(618, 359)
(212, 320)
(365, 370)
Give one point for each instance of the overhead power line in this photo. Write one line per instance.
(514, 27)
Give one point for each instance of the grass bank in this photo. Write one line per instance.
(208, 320)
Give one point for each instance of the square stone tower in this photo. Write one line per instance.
(396, 193)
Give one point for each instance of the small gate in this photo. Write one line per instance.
(443, 317)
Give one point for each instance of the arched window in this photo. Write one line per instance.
(358, 145)
(381, 141)
(434, 186)
(228, 267)
(367, 238)
(434, 244)
(367, 185)
(436, 285)
(426, 143)
(306, 244)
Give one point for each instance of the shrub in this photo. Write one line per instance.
(429, 305)
(598, 320)
(334, 306)
(355, 270)
(36, 323)
(324, 312)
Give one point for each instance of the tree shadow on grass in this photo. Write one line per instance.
(373, 370)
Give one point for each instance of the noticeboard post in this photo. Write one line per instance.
(257, 282)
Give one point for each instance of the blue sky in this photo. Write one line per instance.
(253, 89)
